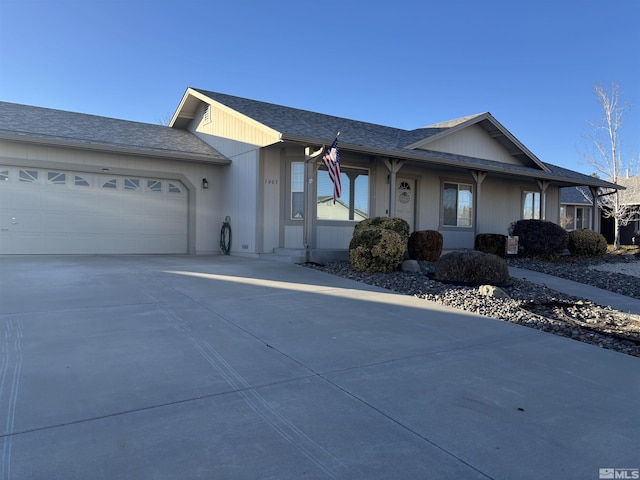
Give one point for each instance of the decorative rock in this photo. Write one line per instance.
(410, 266)
(492, 291)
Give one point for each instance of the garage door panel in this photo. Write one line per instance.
(25, 243)
(57, 222)
(28, 199)
(25, 222)
(77, 243)
(57, 212)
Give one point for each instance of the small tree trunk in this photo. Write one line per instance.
(616, 233)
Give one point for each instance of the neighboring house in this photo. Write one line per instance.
(630, 233)
(75, 183)
(338, 210)
(576, 209)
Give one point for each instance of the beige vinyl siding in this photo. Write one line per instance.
(240, 201)
(335, 237)
(473, 141)
(500, 204)
(244, 133)
(293, 236)
(271, 181)
(240, 182)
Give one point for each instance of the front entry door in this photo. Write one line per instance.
(406, 200)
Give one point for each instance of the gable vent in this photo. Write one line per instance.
(207, 114)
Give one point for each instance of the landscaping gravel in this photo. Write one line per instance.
(530, 304)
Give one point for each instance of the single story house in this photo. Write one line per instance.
(75, 183)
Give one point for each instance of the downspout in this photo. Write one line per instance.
(310, 158)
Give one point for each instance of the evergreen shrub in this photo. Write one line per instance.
(425, 245)
(376, 250)
(494, 243)
(587, 243)
(539, 238)
(471, 267)
(398, 225)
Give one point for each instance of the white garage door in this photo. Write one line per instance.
(53, 211)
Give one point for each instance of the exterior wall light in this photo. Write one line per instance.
(205, 184)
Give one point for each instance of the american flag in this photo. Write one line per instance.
(331, 160)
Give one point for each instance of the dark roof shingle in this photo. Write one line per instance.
(393, 141)
(93, 131)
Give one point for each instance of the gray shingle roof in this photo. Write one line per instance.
(630, 196)
(304, 123)
(576, 196)
(391, 141)
(90, 131)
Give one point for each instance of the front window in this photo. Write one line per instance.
(531, 205)
(583, 216)
(353, 204)
(457, 205)
(297, 190)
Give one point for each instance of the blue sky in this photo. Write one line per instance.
(407, 64)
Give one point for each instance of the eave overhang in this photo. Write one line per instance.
(457, 161)
(217, 158)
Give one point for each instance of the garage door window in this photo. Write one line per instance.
(4, 175)
(28, 176)
(113, 183)
(154, 186)
(173, 188)
(56, 178)
(132, 184)
(81, 181)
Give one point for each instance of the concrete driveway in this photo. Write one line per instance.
(137, 367)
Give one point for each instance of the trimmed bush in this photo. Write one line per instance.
(425, 245)
(398, 225)
(587, 243)
(493, 243)
(376, 250)
(471, 267)
(539, 238)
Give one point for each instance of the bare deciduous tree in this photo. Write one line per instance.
(608, 160)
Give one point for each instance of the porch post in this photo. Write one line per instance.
(309, 223)
(393, 165)
(595, 218)
(543, 185)
(479, 177)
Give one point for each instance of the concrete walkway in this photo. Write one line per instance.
(596, 295)
(183, 367)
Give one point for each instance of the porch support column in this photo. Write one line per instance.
(393, 165)
(595, 220)
(543, 185)
(479, 177)
(309, 224)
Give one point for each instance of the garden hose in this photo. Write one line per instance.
(225, 237)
